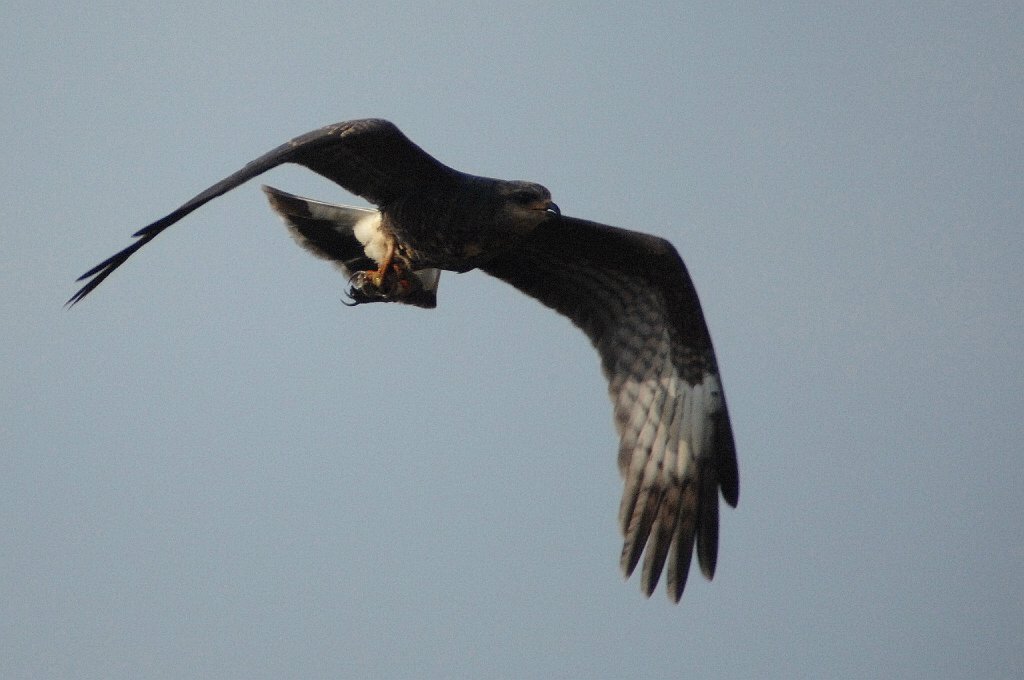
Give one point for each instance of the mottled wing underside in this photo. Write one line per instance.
(630, 293)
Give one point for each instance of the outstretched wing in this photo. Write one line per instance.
(370, 158)
(630, 293)
(329, 230)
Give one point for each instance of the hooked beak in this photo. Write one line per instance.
(553, 209)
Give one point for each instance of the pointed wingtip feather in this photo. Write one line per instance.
(97, 274)
(707, 531)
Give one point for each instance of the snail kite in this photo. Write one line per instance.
(628, 291)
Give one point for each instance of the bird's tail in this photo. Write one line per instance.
(328, 231)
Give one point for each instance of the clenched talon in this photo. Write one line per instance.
(397, 284)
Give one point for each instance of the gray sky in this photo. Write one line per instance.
(211, 468)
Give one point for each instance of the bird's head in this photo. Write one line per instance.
(524, 205)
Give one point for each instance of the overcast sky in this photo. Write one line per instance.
(211, 468)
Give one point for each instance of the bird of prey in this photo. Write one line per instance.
(629, 292)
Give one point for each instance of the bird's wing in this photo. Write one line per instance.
(370, 158)
(630, 293)
(328, 231)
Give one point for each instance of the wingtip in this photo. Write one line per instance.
(731, 495)
(83, 291)
(77, 297)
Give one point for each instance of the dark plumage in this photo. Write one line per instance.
(628, 291)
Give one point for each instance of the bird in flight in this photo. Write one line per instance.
(629, 292)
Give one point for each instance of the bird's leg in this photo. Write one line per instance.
(376, 277)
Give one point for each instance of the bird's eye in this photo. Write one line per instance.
(523, 197)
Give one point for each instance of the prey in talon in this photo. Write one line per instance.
(397, 285)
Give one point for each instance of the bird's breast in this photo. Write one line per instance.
(441, 232)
